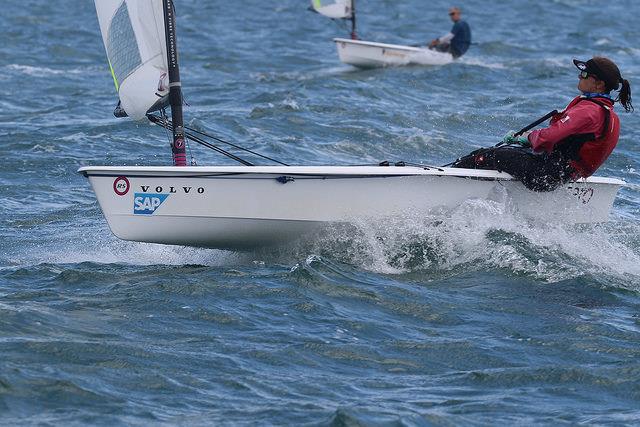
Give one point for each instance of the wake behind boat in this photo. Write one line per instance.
(242, 207)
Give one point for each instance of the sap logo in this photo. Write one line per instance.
(146, 204)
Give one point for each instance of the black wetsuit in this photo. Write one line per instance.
(538, 172)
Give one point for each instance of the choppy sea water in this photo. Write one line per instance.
(478, 318)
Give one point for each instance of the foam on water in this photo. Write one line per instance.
(109, 250)
(484, 235)
(46, 71)
(482, 62)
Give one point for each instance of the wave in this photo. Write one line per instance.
(483, 235)
(46, 71)
(479, 235)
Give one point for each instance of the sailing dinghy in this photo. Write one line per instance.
(247, 206)
(366, 54)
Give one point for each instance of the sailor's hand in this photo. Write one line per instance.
(433, 42)
(508, 137)
(523, 141)
(511, 139)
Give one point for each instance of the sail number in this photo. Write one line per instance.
(386, 52)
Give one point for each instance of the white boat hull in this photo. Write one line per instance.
(364, 54)
(240, 207)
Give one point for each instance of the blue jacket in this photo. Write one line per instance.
(461, 38)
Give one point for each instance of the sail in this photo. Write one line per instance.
(335, 9)
(134, 38)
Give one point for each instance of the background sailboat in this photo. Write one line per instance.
(247, 206)
(367, 54)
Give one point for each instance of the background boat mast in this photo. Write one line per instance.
(353, 20)
(175, 91)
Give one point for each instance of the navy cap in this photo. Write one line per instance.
(604, 69)
(588, 66)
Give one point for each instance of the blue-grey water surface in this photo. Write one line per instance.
(478, 318)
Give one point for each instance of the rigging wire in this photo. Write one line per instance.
(236, 146)
(190, 135)
(164, 119)
(167, 124)
(344, 26)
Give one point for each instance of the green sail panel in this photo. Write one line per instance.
(122, 47)
(336, 9)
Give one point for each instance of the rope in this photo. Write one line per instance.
(236, 146)
(168, 125)
(163, 115)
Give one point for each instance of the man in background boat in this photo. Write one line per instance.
(578, 140)
(457, 41)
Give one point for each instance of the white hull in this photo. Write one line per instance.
(242, 207)
(365, 54)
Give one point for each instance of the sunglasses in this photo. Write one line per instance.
(452, 13)
(584, 75)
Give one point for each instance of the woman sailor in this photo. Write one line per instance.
(577, 141)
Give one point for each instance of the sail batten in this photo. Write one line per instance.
(134, 38)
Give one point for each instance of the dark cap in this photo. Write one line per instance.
(602, 68)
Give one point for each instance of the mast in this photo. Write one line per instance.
(175, 91)
(353, 20)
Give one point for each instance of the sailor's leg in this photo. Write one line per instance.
(476, 160)
(554, 171)
(538, 172)
(443, 47)
(535, 171)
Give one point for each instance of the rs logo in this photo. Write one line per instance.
(121, 185)
(146, 204)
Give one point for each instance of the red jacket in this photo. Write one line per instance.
(581, 117)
